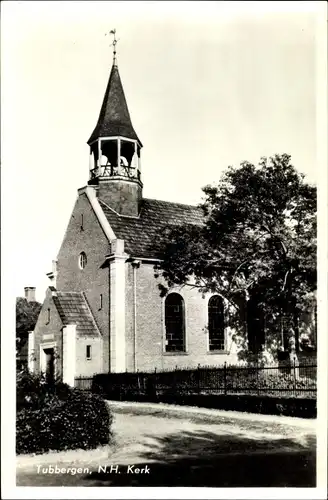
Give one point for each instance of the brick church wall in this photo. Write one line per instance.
(92, 279)
(151, 331)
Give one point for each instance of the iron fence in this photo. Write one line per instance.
(287, 380)
(84, 383)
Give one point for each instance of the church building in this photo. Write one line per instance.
(103, 311)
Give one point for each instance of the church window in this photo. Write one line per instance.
(216, 323)
(88, 352)
(48, 316)
(255, 326)
(82, 260)
(82, 228)
(100, 301)
(174, 323)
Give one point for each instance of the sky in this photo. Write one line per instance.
(208, 85)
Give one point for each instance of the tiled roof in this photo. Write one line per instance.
(141, 234)
(73, 309)
(114, 118)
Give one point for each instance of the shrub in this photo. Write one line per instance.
(63, 418)
(32, 391)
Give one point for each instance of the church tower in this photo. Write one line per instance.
(115, 150)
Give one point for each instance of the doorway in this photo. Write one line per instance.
(50, 364)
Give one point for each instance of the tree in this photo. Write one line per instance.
(256, 247)
(26, 317)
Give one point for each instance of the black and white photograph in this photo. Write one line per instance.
(164, 281)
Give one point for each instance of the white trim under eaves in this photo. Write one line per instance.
(115, 137)
(94, 202)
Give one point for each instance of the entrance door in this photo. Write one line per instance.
(50, 364)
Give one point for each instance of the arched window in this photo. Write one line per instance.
(174, 323)
(255, 326)
(216, 324)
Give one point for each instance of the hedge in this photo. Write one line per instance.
(63, 418)
(287, 406)
(33, 392)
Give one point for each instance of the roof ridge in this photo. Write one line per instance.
(172, 203)
(148, 199)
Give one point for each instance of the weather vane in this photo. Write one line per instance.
(113, 32)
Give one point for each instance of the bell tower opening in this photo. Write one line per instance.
(114, 157)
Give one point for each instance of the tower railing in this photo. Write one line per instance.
(116, 171)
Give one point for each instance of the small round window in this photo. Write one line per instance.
(82, 260)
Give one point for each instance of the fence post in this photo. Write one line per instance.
(294, 373)
(155, 385)
(120, 387)
(175, 380)
(138, 383)
(225, 377)
(257, 377)
(198, 378)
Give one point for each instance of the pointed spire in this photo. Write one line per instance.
(114, 118)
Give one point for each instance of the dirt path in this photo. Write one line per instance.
(185, 451)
